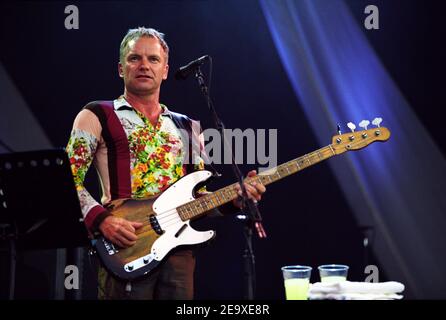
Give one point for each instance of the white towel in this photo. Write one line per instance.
(354, 296)
(347, 290)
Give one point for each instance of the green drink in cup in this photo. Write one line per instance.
(333, 272)
(297, 282)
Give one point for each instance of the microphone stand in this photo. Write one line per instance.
(252, 217)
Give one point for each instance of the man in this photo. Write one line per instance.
(137, 148)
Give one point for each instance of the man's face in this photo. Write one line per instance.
(144, 66)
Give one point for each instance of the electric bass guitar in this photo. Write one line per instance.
(166, 218)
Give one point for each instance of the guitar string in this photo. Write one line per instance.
(214, 198)
(174, 214)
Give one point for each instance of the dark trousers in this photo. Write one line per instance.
(173, 279)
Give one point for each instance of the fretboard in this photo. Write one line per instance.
(199, 207)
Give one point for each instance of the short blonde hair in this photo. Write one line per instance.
(137, 33)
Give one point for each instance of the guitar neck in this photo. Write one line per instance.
(199, 207)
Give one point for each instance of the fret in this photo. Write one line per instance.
(331, 148)
(191, 210)
(186, 210)
(306, 157)
(285, 170)
(313, 157)
(204, 204)
(225, 194)
(180, 211)
(217, 199)
(202, 207)
(296, 166)
(225, 198)
(228, 194)
(297, 163)
(185, 213)
(189, 214)
(197, 206)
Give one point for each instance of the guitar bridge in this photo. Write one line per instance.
(155, 225)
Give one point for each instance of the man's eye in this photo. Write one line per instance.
(134, 58)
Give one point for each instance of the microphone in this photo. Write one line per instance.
(183, 72)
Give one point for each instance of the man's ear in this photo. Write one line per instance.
(120, 70)
(166, 72)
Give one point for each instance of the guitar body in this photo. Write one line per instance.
(163, 229)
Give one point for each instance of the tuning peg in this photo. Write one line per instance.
(338, 127)
(364, 124)
(377, 121)
(351, 126)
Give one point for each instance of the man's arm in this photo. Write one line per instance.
(81, 149)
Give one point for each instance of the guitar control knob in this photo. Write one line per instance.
(130, 267)
(145, 260)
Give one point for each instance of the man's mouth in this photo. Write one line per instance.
(144, 76)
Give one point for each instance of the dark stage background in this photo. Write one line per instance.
(305, 216)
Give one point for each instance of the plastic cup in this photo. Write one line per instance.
(297, 281)
(333, 272)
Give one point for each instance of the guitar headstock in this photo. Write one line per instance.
(356, 140)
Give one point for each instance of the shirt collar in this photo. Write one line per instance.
(122, 104)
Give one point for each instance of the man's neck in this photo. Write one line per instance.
(147, 105)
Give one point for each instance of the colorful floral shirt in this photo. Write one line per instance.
(133, 158)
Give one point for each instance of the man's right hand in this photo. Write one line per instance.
(120, 231)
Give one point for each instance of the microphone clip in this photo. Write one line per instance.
(183, 72)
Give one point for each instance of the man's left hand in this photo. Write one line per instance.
(253, 189)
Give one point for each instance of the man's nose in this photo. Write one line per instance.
(145, 65)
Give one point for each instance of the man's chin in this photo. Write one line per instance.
(142, 90)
